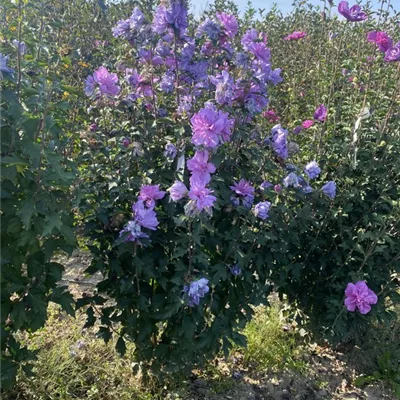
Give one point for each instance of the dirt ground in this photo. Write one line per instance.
(330, 373)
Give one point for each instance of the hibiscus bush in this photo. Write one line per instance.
(196, 204)
(205, 164)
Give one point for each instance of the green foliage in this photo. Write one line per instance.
(57, 175)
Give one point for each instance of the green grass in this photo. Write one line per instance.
(269, 346)
(73, 364)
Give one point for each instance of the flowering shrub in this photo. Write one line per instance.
(221, 212)
(194, 202)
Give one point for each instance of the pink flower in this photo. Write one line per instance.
(178, 191)
(308, 123)
(295, 35)
(278, 188)
(210, 127)
(150, 193)
(243, 188)
(381, 39)
(108, 83)
(359, 296)
(271, 116)
(200, 167)
(201, 195)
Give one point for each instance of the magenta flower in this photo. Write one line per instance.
(308, 123)
(93, 127)
(271, 116)
(243, 188)
(381, 39)
(210, 127)
(353, 14)
(278, 188)
(229, 23)
(359, 296)
(393, 54)
(295, 36)
(178, 191)
(200, 167)
(108, 83)
(320, 113)
(150, 193)
(201, 195)
(126, 142)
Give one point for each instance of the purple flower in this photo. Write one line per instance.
(132, 77)
(359, 296)
(279, 141)
(210, 127)
(308, 123)
(250, 37)
(224, 88)
(312, 170)
(170, 151)
(200, 167)
(145, 217)
(295, 36)
(172, 19)
(201, 195)
(260, 51)
(137, 19)
(229, 23)
(178, 191)
(3, 64)
(292, 180)
(20, 46)
(196, 290)
(381, 39)
(278, 188)
(329, 189)
(320, 113)
(393, 54)
(261, 209)
(354, 14)
(235, 270)
(266, 185)
(209, 28)
(93, 127)
(122, 29)
(275, 76)
(142, 218)
(297, 130)
(243, 188)
(133, 232)
(89, 85)
(108, 83)
(167, 83)
(151, 193)
(126, 142)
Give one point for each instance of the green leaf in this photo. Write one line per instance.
(120, 346)
(104, 333)
(26, 211)
(52, 222)
(8, 373)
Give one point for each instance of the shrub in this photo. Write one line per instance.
(185, 268)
